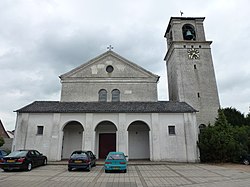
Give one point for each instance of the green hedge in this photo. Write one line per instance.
(223, 142)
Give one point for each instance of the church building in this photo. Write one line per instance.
(111, 104)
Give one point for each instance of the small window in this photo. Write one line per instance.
(115, 95)
(39, 130)
(198, 94)
(171, 130)
(109, 69)
(102, 95)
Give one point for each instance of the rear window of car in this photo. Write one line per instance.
(79, 155)
(116, 157)
(18, 154)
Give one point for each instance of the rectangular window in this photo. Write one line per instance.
(171, 130)
(39, 130)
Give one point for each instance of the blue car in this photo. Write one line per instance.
(115, 161)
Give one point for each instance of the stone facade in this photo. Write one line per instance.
(85, 82)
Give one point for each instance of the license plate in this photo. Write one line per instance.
(78, 161)
(116, 168)
(11, 161)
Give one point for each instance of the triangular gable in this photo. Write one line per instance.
(96, 68)
(3, 133)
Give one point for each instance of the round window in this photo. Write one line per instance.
(109, 69)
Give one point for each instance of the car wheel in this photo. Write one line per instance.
(89, 167)
(69, 169)
(106, 171)
(29, 166)
(45, 162)
(246, 162)
(6, 170)
(125, 171)
(94, 164)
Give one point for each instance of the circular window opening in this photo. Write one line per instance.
(109, 69)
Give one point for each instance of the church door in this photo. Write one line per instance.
(107, 143)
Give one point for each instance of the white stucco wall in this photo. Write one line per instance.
(162, 146)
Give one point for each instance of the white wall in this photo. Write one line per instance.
(162, 146)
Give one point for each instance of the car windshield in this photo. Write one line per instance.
(18, 154)
(116, 157)
(79, 155)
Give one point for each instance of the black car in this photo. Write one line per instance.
(81, 160)
(3, 153)
(22, 159)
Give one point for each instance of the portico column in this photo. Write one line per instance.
(155, 138)
(122, 135)
(56, 152)
(89, 133)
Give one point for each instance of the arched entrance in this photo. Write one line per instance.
(138, 140)
(72, 138)
(105, 138)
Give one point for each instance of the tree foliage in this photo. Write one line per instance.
(1, 141)
(223, 142)
(234, 117)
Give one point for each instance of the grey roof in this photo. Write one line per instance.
(107, 107)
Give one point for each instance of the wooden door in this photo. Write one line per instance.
(107, 143)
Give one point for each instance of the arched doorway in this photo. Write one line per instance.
(138, 140)
(105, 138)
(72, 138)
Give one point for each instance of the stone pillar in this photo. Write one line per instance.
(191, 137)
(89, 138)
(55, 150)
(122, 143)
(155, 151)
(20, 138)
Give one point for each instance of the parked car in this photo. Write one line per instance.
(245, 159)
(115, 161)
(3, 153)
(81, 160)
(22, 159)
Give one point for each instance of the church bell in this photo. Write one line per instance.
(189, 35)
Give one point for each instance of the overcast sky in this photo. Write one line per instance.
(42, 39)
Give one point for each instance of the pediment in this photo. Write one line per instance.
(97, 68)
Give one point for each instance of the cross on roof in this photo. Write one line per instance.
(110, 47)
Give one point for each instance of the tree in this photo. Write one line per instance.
(1, 141)
(248, 119)
(234, 117)
(218, 143)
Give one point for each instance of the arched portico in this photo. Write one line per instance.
(105, 138)
(72, 138)
(138, 140)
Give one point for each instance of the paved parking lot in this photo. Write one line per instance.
(190, 175)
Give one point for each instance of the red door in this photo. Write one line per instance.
(107, 143)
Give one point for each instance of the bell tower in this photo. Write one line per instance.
(191, 76)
